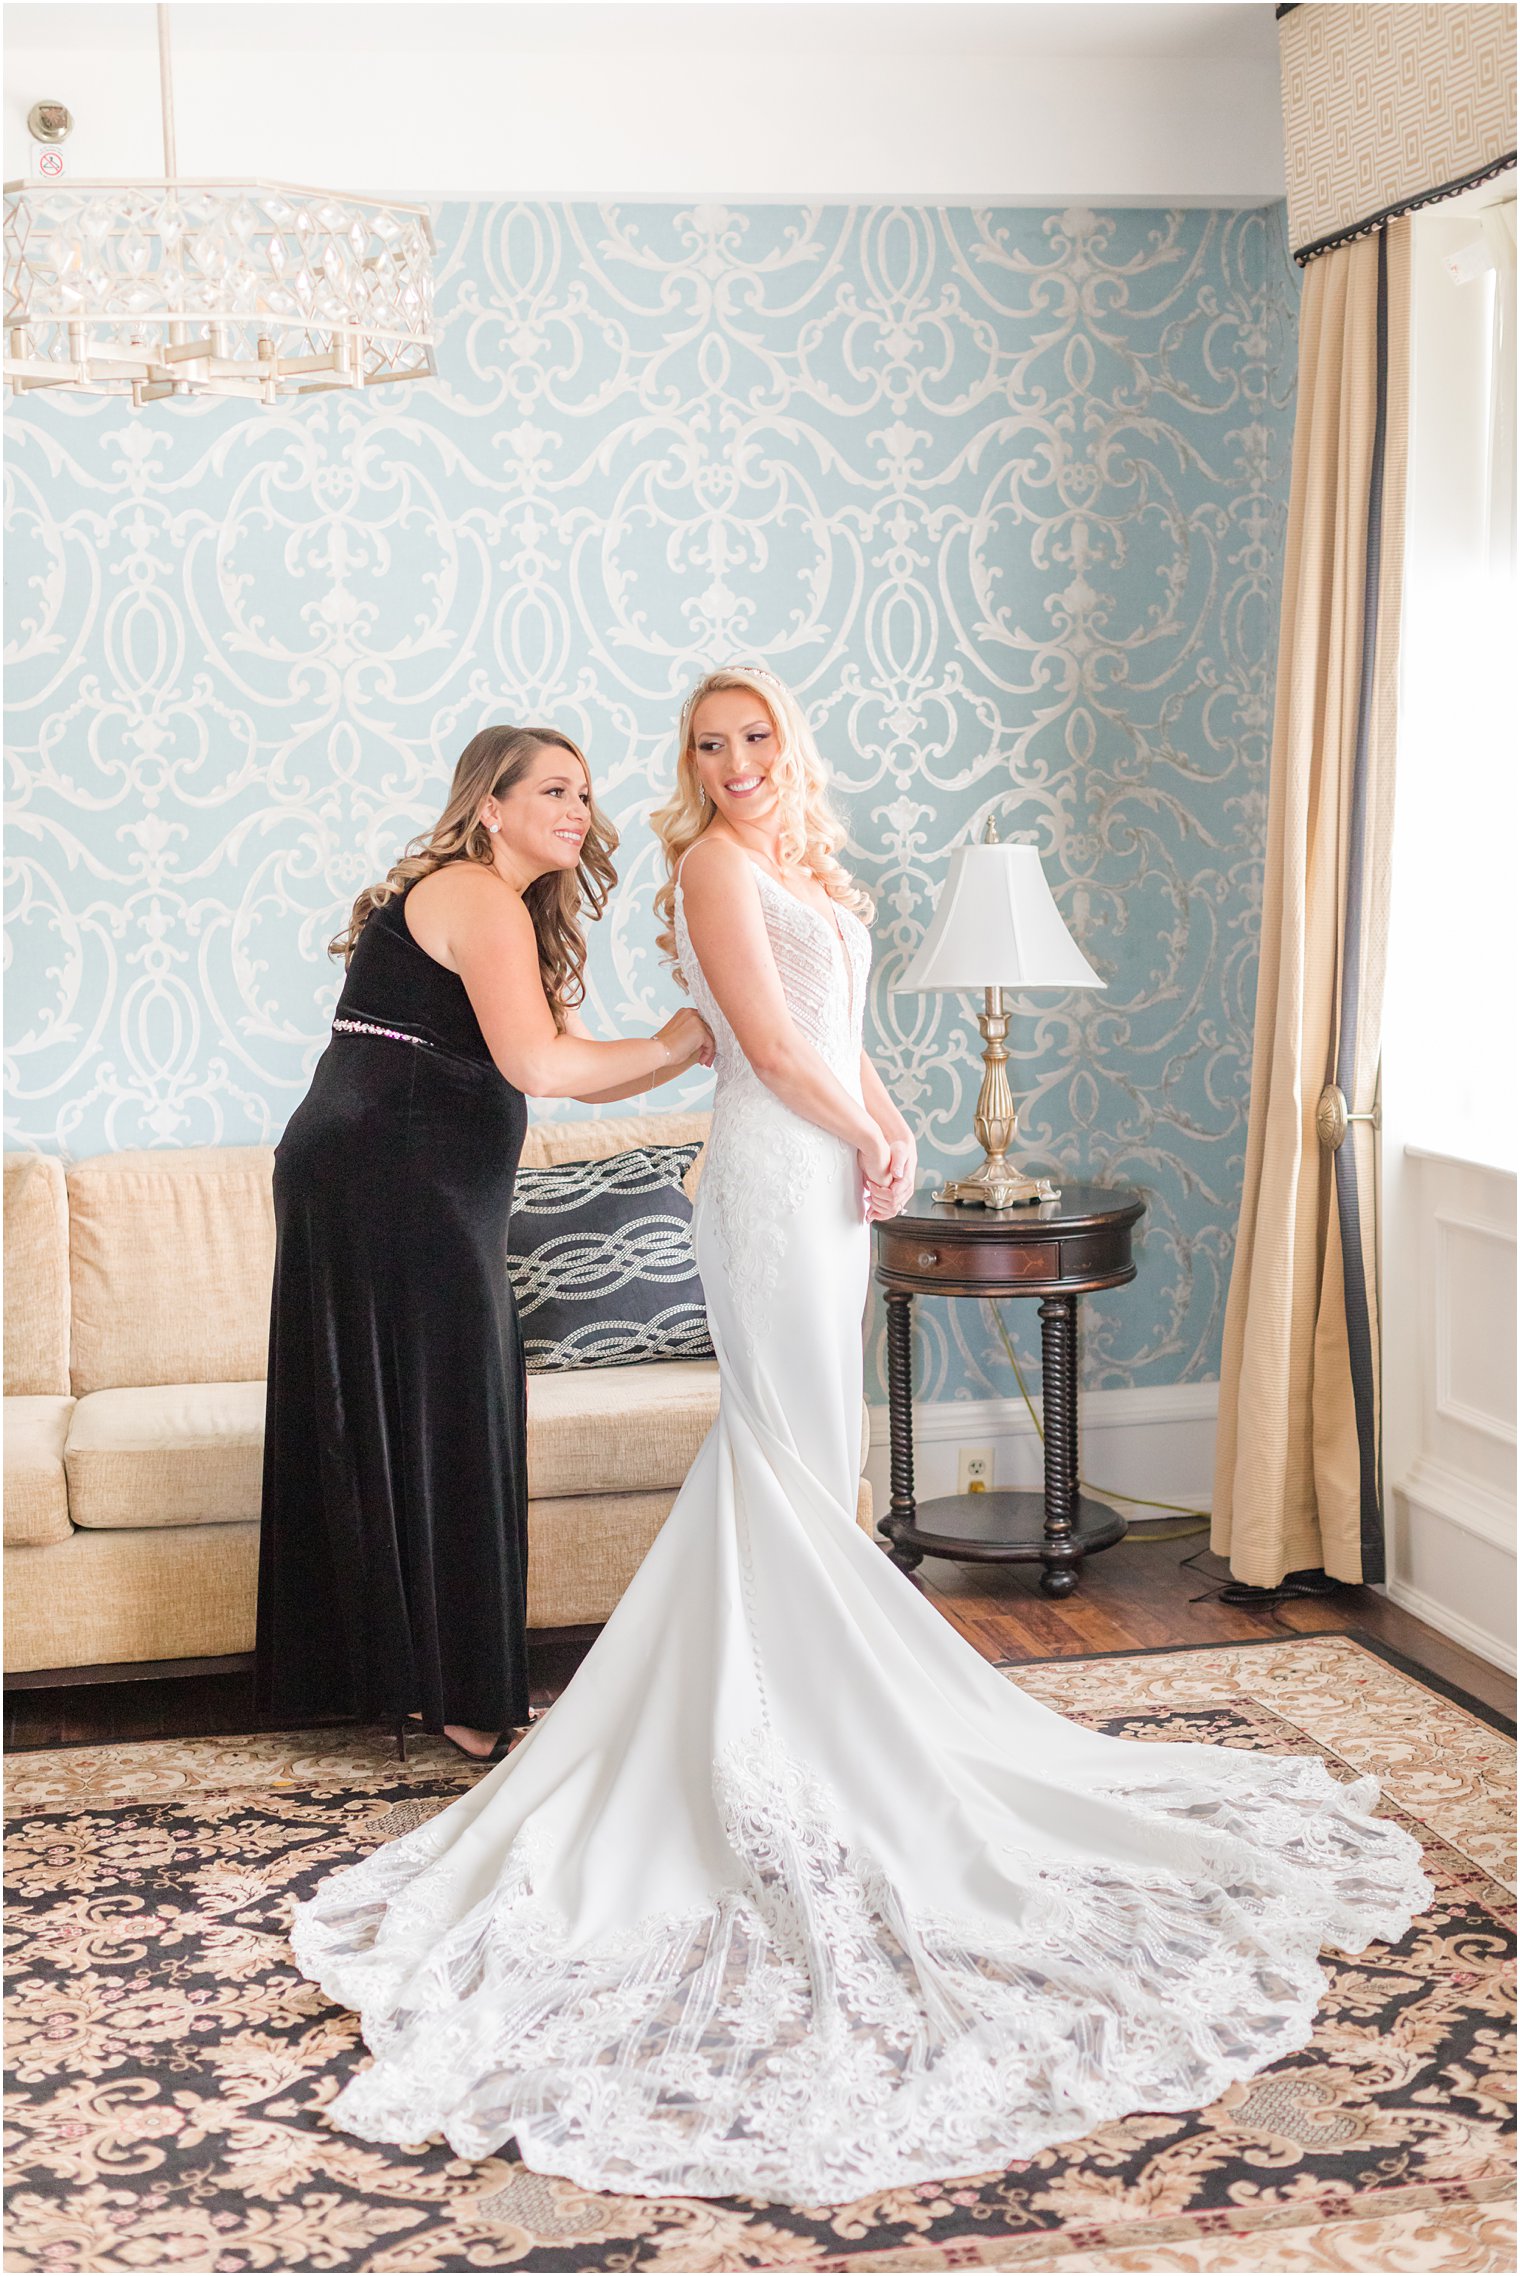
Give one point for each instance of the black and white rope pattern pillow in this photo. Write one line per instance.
(601, 1262)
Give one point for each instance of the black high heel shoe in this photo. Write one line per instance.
(505, 1742)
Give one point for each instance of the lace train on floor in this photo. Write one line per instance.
(808, 2037)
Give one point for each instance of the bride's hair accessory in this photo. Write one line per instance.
(756, 672)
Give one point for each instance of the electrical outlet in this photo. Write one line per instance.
(975, 1470)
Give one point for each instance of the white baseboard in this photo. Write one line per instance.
(1157, 1442)
(1457, 1498)
(1452, 1624)
(1451, 1557)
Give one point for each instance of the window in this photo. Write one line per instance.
(1449, 1014)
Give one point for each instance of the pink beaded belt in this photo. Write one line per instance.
(392, 1034)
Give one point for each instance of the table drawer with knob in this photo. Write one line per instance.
(941, 1260)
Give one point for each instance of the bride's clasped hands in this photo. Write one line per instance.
(888, 1175)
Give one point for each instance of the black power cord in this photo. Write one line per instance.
(1311, 1582)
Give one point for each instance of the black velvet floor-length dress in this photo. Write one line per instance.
(393, 1559)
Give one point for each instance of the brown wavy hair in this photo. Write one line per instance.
(488, 767)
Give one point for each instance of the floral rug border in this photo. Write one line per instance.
(1332, 2161)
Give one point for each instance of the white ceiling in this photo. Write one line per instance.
(938, 101)
(1204, 30)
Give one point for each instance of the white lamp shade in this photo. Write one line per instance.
(997, 926)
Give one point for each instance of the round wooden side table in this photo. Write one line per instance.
(1057, 1251)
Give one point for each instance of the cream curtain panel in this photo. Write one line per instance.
(1297, 1482)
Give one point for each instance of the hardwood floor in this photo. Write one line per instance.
(1143, 1594)
(1147, 1592)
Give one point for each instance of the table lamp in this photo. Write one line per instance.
(996, 926)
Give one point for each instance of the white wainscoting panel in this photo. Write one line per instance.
(1450, 1392)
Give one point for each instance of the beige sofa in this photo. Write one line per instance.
(136, 1323)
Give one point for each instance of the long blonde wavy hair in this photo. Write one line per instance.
(811, 832)
(489, 765)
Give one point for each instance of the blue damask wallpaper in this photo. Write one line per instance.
(1001, 493)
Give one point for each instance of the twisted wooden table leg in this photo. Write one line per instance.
(900, 1398)
(1058, 1351)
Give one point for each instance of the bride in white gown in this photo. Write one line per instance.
(790, 1894)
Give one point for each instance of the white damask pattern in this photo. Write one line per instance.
(1000, 492)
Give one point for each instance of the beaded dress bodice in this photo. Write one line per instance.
(762, 1159)
(823, 964)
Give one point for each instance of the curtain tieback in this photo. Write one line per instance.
(1333, 1118)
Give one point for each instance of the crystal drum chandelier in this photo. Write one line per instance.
(242, 288)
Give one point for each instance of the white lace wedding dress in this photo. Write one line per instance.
(790, 1895)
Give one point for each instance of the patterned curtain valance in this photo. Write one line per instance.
(1389, 107)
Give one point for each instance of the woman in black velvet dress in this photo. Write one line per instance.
(392, 1567)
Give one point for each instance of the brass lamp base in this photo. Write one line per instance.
(996, 1185)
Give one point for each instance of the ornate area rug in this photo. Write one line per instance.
(169, 2069)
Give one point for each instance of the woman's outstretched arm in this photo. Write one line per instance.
(492, 946)
(636, 1088)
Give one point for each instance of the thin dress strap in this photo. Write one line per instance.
(681, 864)
(749, 857)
